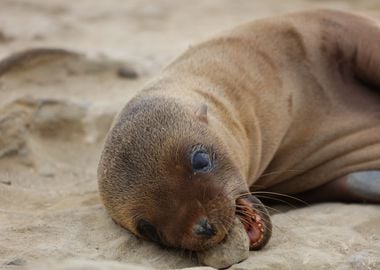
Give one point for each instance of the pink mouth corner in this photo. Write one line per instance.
(252, 222)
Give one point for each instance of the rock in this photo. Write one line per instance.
(234, 249)
(35, 58)
(49, 64)
(363, 260)
(17, 261)
(58, 119)
(29, 125)
(83, 264)
(127, 72)
(8, 183)
(45, 117)
(13, 127)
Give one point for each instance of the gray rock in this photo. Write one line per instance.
(17, 261)
(127, 72)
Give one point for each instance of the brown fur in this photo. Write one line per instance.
(293, 102)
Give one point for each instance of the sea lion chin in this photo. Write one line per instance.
(165, 176)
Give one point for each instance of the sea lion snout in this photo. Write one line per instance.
(201, 220)
(204, 228)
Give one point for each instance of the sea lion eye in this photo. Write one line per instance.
(147, 230)
(201, 161)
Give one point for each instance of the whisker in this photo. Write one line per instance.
(266, 227)
(280, 194)
(273, 209)
(257, 209)
(244, 220)
(276, 199)
(224, 229)
(247, 207)
(266, 221)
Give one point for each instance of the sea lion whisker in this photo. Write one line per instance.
(253, 215)
(263, 216)
(136, 215)
(224, 229)
(245, 194)
(280, 194)
(249, 212)
(242, 206)
(244, 213)
(257, 209)
(269, 229)
(247, 221)
(226, 222)
(270, 208)
(247, 215)
(278, 212)
(244, 220)
(241, 211)
(276, 199)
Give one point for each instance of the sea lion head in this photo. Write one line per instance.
(165, 176)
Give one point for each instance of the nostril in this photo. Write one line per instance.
(204, 228)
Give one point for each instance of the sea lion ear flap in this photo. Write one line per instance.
(201, 113)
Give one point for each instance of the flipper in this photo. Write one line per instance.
(361, 186)
(352, 42)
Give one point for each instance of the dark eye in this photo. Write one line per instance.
(147, 230)
(201, 161)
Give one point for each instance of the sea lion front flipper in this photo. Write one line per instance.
(354, 42)
(365, 185)
(361, 186)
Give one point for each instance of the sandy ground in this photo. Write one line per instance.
(57, 105)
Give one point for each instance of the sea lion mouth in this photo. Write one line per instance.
(255, 218)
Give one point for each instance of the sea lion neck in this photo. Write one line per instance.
(246, 113)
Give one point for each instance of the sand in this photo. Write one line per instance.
(56, 105)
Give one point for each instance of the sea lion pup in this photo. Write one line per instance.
(287, 104)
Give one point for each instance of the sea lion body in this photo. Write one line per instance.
(284, 104)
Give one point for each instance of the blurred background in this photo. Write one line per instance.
(145, 32)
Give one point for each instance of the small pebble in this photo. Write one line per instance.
(6, 182)
(127, 72)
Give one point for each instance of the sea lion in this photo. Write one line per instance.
(289, 104)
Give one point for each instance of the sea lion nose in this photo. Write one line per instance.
(204, 228)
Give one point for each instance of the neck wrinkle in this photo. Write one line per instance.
(269, 121)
